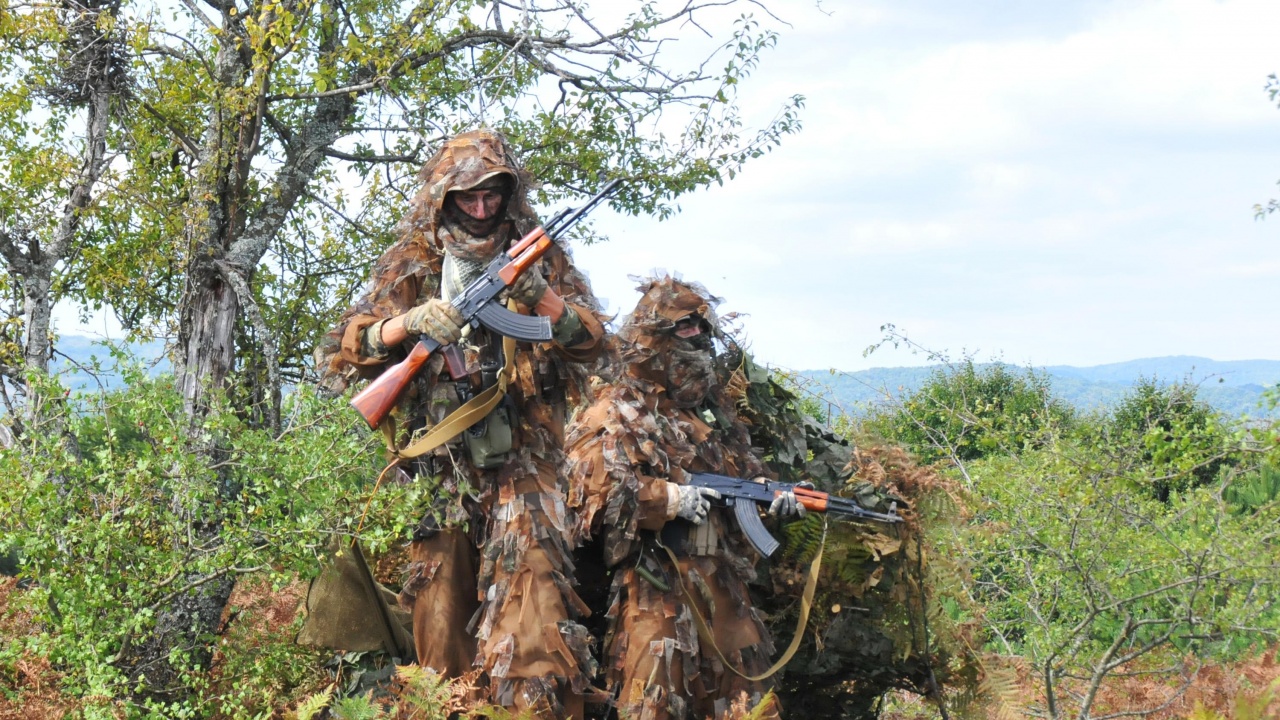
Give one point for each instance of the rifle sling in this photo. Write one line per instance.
(453, 425)
(806, 603)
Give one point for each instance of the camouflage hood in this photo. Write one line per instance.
(462, 163)
(651, 348)
(665, 301)
(417, 256)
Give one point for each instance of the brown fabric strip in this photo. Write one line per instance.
(472, 412)
(806, 603)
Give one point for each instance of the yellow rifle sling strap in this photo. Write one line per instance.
(453, 425)
(806, 603)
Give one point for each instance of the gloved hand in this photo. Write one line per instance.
(786, 505)
(436, 318)
(529, 288)
(693, 503)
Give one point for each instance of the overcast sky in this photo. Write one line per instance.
(1050, 183)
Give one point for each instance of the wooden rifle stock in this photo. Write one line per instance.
(376, 400)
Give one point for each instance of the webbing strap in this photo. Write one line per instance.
(470, 413)
(806, 603)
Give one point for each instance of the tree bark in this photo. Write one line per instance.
(42, 262)
(224, 242)
(205, 359)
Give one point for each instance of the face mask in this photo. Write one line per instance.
(691, 374)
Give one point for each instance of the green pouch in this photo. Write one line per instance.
(489, 441)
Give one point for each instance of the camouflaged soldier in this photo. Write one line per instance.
(489, 582)
(667, 414)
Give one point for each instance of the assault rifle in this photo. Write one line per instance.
(477, 306)
(745, 496)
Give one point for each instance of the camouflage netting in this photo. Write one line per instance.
(867, 632)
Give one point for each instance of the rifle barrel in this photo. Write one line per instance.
(558, 225)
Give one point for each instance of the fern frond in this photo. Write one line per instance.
(1200, 712)
(1001, 691)
(311, 706)
(735, 388)
(766, 706)
(357, 707)
(966, 704)
(1254, 707)
(800, 539)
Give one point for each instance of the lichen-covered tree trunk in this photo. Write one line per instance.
(208, 334)
(187, 622)
(34, 254)
(37, 312)
(40, 262)
(188, 619)
(226, 247)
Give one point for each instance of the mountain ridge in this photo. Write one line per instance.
(1234, 387)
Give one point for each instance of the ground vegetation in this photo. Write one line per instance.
(1105, 549)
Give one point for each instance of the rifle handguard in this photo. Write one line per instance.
(811, 499)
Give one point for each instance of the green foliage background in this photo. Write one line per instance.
(1100, 544)
(96, 526)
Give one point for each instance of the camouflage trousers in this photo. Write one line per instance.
(505, 606)
(657, 663)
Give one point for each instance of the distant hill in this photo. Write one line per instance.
(86, 362)
(1233, 387)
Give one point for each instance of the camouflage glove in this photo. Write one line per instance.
(529, 288)
(786, 505)
(692, 503)
(437, 319)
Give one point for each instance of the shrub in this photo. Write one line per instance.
(105, 530)
(1182, 439)
(969, 411)
(1086, 577)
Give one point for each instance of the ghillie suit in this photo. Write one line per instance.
(665, 414)
(869, 621)
(490, 574)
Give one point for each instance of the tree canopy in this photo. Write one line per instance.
(271, 146)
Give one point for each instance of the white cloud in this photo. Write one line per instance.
(1010, 178)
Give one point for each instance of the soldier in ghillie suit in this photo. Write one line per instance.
(490, 575)
(667, 415)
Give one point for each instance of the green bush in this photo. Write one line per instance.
(108, 531)
(1182, 439)
(1084, 575)
(969, 411)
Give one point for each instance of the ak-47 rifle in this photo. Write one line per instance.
(477, 306)
(745, 496)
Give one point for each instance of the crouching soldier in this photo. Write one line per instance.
(490, 579)
(667, 415)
